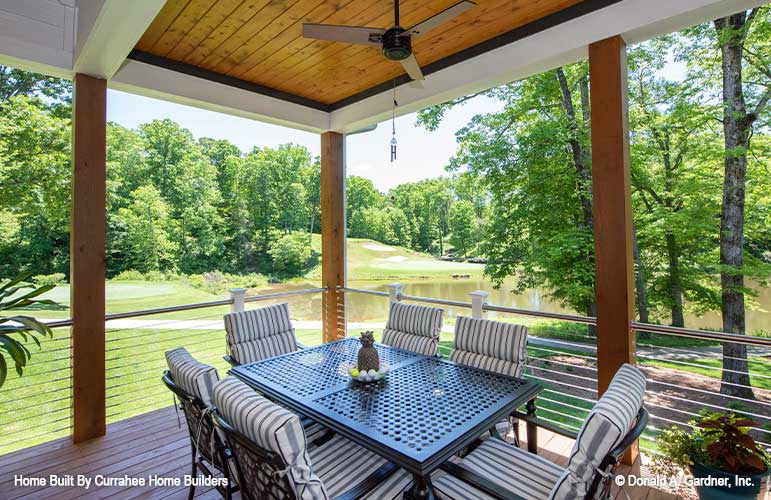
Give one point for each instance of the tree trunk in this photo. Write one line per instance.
(642, 294)
(736, 129)
(675, 287)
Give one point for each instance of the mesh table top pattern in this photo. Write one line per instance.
(425, 406)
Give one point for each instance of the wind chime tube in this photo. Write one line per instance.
(393, 128)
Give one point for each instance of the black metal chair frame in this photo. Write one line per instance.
(602, 476)
(201, 427)
(269, 468)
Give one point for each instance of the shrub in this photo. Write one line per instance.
(130, 275)
(290, 253)
(48, 279)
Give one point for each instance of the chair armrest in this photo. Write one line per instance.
(631, 436)
(230, 360)
(479, 482)
(369, 484)
(546, 425)
(300, 345)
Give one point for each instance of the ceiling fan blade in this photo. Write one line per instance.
(348, 34)
(412, 68)
(444, 16)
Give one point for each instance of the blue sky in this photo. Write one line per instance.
(421, 154)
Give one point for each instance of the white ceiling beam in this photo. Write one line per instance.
(635, 20)
(107, 30)
(160, 83)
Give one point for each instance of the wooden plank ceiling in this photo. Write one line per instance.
(260, 41)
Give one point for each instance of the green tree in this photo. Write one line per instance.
(534, 158)
(462, 226)
(290, 253)
(143, 237)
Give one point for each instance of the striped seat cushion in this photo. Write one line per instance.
(272, 428)
(449, 487)
(192, 376)
(604, 428)
(413, 328)
(394, 486)
(526, 474)
(259, 334)
(341, 464)
(490, 345)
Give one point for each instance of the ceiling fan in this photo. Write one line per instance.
(396, 42)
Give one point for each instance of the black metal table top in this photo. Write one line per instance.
(423, 412)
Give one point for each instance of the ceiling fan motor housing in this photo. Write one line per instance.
(396, 47)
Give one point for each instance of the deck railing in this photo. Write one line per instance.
(683, 365)
(38, 406)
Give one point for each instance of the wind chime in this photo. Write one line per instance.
(393, 128)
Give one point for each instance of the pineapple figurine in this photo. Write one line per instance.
(368, 359)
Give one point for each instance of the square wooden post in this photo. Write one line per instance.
(333, 234)
(612, 202)
(87, 250)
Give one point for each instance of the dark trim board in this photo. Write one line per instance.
(550, 21)
(212, 76)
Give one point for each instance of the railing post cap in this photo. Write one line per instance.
(480, 293)
(238, 291)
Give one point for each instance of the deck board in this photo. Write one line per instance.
(155, 443)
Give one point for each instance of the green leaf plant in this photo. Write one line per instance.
(17, 330)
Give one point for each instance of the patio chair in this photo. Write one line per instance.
(413, 328)
(500, 470)
(259, 334)
(272, 457)
(192, 382)
(493, 346)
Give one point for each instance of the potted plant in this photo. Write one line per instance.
(18, 329)
(724, 461)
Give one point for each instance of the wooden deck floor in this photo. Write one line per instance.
(154, 444)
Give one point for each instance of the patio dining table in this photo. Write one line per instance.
(423, 412)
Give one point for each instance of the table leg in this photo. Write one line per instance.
(532, 429)
(422, 489)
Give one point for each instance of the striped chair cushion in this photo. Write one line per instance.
(341, 464)
(261, 333)
(528, 475)
(490, 345)
(192, 376)
(445, 486)
(413, 328)
(604, 428)
(272, 428)
(449, 487)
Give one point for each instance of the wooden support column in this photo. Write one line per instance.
(333, 234)
(87, 248)
(612, 202)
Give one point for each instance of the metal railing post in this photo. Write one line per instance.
(238, 295)
(395, 292)
(478, 303)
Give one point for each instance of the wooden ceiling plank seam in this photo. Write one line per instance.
(213, 19)
(163, 20)
(244, 35)
(298, 10)
(327, 51)
(352, 55)
(225, 30)
(353, 69)
(286, 37)
(278, 60)
(185, 22)
(577, 10)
